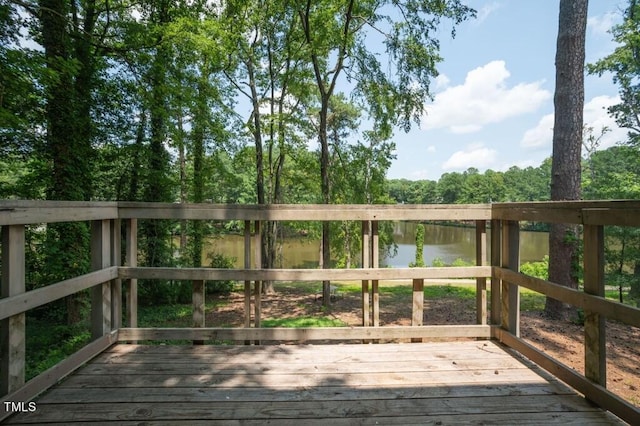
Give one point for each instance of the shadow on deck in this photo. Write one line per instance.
(473, 382)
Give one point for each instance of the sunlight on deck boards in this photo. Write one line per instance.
(443, 383)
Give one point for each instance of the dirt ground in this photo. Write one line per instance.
(562, 340)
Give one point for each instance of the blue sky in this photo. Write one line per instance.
(493, 100)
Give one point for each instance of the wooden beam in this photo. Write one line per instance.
(21, 212)
(592, 391)
(101, 294)
(247, 265)
(366, 257)
(417, 310)
(595, 364)
(132, 261)
(481, 283)
(375, 263)
(32, 299)
(305, 334)
(510, 308)
(304, 212)
(197, 298)
(613, 310)
(257, 282)
(496, 260)
(12, 329)
(150, 273)
(116, 284)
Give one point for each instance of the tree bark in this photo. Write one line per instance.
(567, 144)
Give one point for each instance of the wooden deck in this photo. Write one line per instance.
(466, 382)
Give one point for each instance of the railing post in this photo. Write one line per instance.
(375, 263)
(417, 310)
(595, 357)
(496, 260)
(197, 299)
(247, 283)
(101, 294)
(258, 284)
(365, 264)
(131, 259)
(116, 285)
(481, 283)
(12, 329)
(510, 292)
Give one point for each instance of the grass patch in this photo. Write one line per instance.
(531, 301)
(303, 322)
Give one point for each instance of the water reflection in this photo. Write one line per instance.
(446, 243)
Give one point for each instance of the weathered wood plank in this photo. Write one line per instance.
(430, 350)
(609, 212)
(417, 309)
(481, 283)
(34, 212)
(304, 212)
(12, 329)
(325, 393)
(595, 364)
(267, 410)
(496, 261)
(100, 294)
(305, 334)
(156, 366)
(609, 308)
(34, 298)
(510, 309)
(594, 392)
(132, 261)
(240, 384)
(304, 274)
(312, 378)
(565, 418)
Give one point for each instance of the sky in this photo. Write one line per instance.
(493, 100)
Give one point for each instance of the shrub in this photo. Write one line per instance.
(222, 261)
(536, 269)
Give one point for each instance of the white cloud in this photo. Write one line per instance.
(442, 81)
(475, 155)
(595, 116)
(431, 148)
(483, 98)
(485, 11)
(601, 24)
(541, 135)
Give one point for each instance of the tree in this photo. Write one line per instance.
(335, 33)
(567, 144)
(624, 64)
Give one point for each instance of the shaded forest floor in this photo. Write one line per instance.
(301, 305)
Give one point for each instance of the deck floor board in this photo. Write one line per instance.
(466, 382)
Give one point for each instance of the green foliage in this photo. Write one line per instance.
(536, 269)
(623, 64)
(471, 186)
(220, 260)
(48, 344)
(419, 260)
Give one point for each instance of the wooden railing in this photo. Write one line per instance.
(109, 279)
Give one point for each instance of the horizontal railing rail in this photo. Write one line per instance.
(108, 278)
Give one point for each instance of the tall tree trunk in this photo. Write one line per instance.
(67, 242)
(155, 232)
(200, 119)
(567, 144)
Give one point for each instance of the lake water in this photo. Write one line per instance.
(446, 243)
